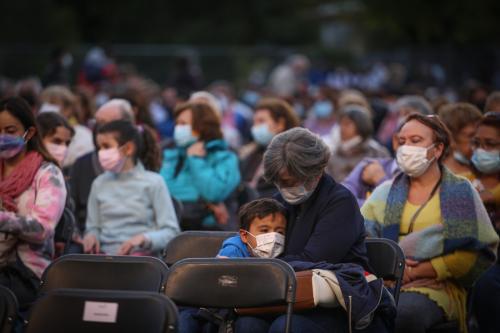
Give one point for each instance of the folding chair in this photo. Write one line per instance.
(387, 260)
(102, 311)
(195, 244)
(231, 283)
(85, 271)
(8, 310)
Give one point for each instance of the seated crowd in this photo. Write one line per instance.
(306, 188)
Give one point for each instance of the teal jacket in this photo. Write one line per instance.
(211, 178)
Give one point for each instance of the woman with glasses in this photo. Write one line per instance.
(440, 223)
(486, 162)
(461, 119)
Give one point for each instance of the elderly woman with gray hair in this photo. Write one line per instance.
(356, 142)
(324, 224)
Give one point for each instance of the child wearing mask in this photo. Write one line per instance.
(130, 210)
(262, 230)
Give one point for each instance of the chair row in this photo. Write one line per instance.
(84, 302)
(74, 281)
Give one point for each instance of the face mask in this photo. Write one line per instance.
(261, 134)
(487, 162)
(460, 158)
(251, 97)
(322, 109)
(295, 195)
(413, 160)
(183, 135)
(111, 160)
(351, 143)
(59, 152)
(269, 245)
(11, 145)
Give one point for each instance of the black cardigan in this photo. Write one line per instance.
(327, 227)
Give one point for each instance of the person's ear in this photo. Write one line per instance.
(280, 125)
(129, 149)
(244, 236)
(439, 150)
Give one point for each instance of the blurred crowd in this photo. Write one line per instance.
(151, 160)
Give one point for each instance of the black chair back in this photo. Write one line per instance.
(387, 260)
(230, 283)
(8, 310)
(102, 311)
(195, 244)
(84, 271)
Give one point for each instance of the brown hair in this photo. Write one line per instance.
(491, 119)
(259, 208)
(441, 133)
(456, 116)
(205, 120)
(21, 110)
(493, 98)
(279, 109)
(147, 149)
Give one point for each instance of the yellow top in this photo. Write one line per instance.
(452, 297)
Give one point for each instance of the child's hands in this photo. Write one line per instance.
(91, 244)
(128, 246)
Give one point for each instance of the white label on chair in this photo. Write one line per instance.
(101, 312)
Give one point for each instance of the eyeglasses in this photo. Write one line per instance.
(485, 144)
(492, 114)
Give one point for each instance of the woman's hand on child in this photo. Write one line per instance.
(197, 149)
(91, 244)
(128, 246)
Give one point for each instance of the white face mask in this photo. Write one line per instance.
(269, 245)
(295, 195)
(412, 160)
(351, 143)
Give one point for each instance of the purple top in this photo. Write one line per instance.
(355, 184)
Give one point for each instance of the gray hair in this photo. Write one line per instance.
(301, 153)
(415, 102)
(123, 105)
(361, 118)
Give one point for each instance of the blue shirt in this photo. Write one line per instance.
(123, 205)
(234, 248)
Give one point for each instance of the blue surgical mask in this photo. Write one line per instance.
(11, 145)
(487, 162)
(183, 135)
(460, 158)
(261, 134)
(251, 97)
(322, 109)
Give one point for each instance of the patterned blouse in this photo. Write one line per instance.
(39, 209)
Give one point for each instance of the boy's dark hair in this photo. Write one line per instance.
(259, 208)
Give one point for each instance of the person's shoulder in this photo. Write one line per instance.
(103, 178)
(49, 171)
(233, 247)
(154, 179)
(49, 168)
(168, 152)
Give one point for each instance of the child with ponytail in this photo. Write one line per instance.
(129, 210)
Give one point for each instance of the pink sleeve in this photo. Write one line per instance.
(44, 213)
